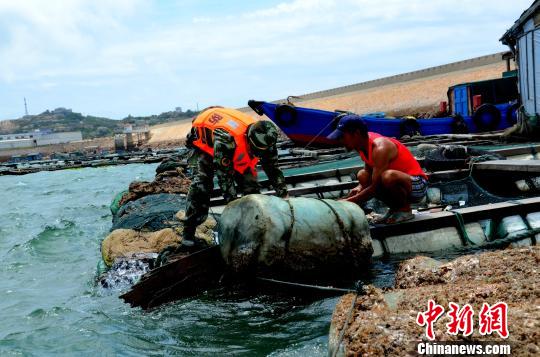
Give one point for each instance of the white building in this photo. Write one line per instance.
(37, 138)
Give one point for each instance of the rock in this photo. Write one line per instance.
(150, 213)
(384, 322)
(418, 271)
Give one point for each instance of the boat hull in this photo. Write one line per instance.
(310, 127)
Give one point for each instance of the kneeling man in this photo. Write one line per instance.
(391, 173)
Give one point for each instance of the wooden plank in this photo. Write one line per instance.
(218, 201)
(310, 176)
(181, 278)
(430, 221)
(448, 175)
(522, 166)
(520, 150)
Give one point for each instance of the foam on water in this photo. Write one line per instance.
(125, 272)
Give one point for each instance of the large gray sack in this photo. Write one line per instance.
(308, 236)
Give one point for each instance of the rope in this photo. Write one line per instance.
(503, 241)
(461, 228)
(351, 248)
(473, 160)
(287, 235)
(319, 133)
(310, 286)
(359, 291)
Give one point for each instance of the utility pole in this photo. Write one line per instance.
(25, 107)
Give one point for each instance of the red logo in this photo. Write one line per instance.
(460, 319)
(494, 319)
(490, 319)
(429, 317)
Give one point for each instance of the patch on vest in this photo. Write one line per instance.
(232, 124)
(215, 118)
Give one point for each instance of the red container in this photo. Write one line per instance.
(442, 107)
(476, 101)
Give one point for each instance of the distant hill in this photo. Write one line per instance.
(62, 119)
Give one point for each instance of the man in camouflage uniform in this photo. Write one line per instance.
(261, 138)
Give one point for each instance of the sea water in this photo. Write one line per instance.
(51, 226)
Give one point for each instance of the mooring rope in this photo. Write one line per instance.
(352, 249)
(310, 286)
(358, 291)
(287, 235)
(462, 229)
(320, 132)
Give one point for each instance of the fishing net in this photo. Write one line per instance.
(449, 157)
(175, 182)
(150, 213)
(115, 204)
(465, 192)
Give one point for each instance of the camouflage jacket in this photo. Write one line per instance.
(224, 147)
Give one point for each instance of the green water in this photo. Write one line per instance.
(51, 225)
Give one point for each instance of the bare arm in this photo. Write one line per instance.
(358, 188)
(383, 153)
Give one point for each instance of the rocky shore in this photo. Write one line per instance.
(384, 322)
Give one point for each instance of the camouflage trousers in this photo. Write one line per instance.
(200, 191)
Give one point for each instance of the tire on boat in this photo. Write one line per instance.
(302, 237)
(285, 115)
(510, 114)
(488, 110)
(409, 127)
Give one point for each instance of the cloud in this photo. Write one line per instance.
(44, 37)
(297, 45)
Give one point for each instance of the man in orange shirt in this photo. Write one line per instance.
(391, 173)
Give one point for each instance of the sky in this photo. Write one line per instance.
(115, 58)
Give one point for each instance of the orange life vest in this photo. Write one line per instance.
(404, 161)
(235, 123)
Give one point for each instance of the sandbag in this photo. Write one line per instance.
(124, 242)
(150, 213)
(304, 236)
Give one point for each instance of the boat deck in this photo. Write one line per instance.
(521, 166)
